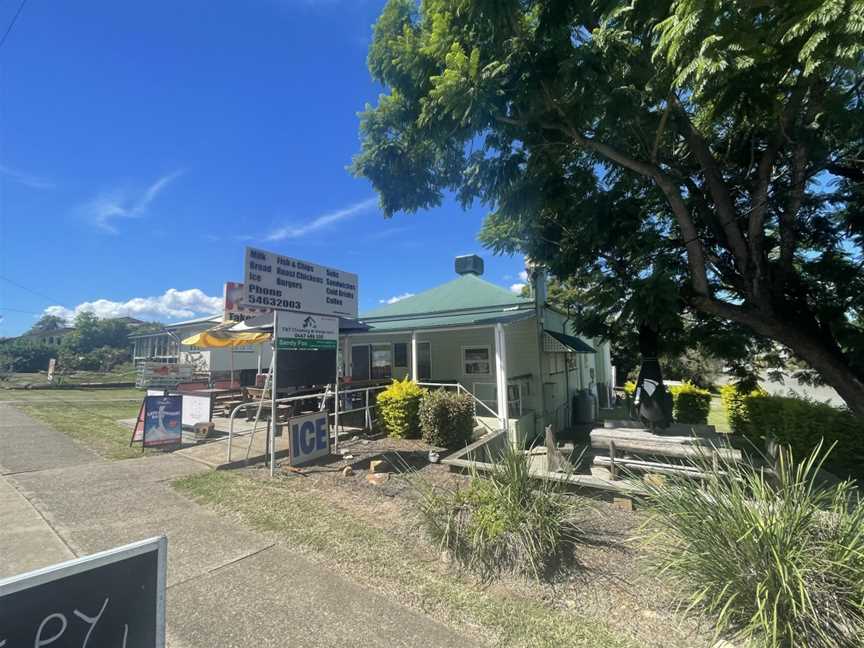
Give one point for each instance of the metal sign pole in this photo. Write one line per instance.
(274, 374)
(336, 398)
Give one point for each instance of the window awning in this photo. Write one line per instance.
(554, 342)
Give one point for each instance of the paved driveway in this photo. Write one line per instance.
(227, 585)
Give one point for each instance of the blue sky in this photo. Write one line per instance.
(144, 144)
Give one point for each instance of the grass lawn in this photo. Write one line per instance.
(88, 416)
(400, 567)
(717, 415)
(121, 373)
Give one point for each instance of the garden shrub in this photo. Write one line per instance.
(690, 404)
(399, 408)
(504, 521)
(800, 424)
(732, 398)
(447, 419)
(778, 560)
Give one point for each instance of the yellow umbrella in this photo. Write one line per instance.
(220, 338)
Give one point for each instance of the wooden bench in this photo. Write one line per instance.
(709, 448)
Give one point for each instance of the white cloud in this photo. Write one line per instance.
(173, 304)
(523, 275)
(34, 182)
(108, 207)
(322, 221)
(517, 288)
(396, 298)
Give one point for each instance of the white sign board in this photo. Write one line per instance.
(235, 309)
(196, 409)
(287, 284)
(302, 332)
(309, 438)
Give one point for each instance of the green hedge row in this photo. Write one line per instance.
(798, 423)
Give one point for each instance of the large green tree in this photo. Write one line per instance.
(710, 150)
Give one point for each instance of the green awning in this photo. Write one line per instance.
(562, 343)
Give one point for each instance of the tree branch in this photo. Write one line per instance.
(718, 189)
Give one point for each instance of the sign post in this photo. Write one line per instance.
(273, 374)
(111, 599)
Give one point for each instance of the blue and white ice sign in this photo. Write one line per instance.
(309, 437)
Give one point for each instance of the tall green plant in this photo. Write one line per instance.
(777, 559)
(505, 520)
(399, 408)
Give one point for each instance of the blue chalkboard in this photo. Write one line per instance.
(114, 599)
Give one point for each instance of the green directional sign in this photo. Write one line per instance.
(303, 344)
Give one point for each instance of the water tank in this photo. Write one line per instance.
(584, 407)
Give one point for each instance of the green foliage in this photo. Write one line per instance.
(733, 397)
(694, 164)
(802, 425)
(779, 562)
(505, 521)
(447, 419)
(25, 356)
(690, 404)
(104, 358)
(92, 333)
(399, 409)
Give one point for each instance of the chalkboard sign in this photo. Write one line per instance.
(301, 368)
(113, 599)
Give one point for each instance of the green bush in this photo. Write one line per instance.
(733, 402)
(399, 409)
(504, 522)
(447, 419)
(690, 404)
(800, 424)
(779, 561)
(20, 356)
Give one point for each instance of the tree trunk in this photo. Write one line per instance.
(813, 349)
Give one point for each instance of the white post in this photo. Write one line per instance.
(273, 417)
(336, 400)
(232, 367)
(260, 349)
(501, 378)
(414, 375)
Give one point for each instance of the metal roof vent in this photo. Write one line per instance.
(469, 264)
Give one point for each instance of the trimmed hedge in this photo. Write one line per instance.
(447, 419)
(399, 409)
(690, 404)
(800, 424)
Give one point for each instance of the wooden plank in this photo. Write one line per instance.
(671, 450)
(651, 466)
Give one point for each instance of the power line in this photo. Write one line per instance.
(30, 290)
(12, 24)
(18, 310)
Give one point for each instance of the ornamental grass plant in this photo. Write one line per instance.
(777, 559)
(504, 521)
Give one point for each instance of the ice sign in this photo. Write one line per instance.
(113, 599)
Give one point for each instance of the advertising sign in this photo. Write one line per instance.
(196, 409)
(163, 420)
(302, 332)
(110, 599)
(309, 438)
(288, 284)
(235, 309)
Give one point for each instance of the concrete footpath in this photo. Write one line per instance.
(227, 585)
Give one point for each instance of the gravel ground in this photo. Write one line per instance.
(613, 579)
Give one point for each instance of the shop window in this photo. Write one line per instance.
(476, 360)
(400, 355)
(382, 362)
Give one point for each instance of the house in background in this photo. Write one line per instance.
(499, 346)
(164, 346)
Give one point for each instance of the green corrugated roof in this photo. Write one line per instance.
(465, 292)
(573, 343)
(462, 318)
